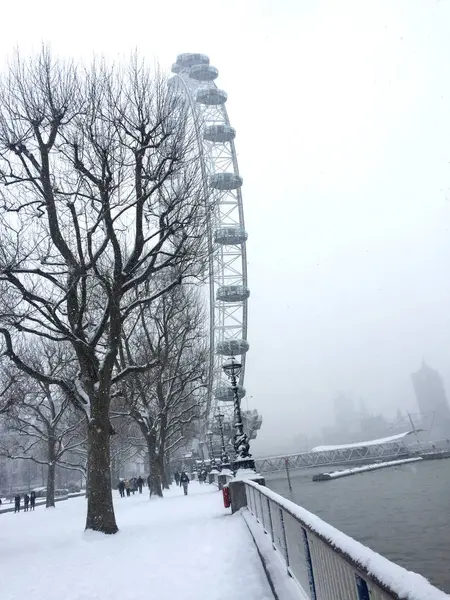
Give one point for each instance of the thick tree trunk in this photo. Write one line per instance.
(100, 509)
(155, 474)
(164, 470)
(50, 499)
(87, 475)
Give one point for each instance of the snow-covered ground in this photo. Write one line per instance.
(181, 548)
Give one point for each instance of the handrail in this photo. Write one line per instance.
(326, 563)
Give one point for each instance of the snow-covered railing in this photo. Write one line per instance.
(326, 563)
(364, 469)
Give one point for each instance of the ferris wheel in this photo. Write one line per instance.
(228, 289)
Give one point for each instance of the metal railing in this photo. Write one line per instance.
(326, 563)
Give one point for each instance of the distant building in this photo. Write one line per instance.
(344, 413)
(431, 398)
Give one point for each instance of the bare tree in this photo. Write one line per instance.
(43, 425)
(167, 399)
(100, 191)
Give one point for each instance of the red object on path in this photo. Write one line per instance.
(226, 496)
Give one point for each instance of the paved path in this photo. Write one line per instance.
(181, 548)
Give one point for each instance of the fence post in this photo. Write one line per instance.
(309, 566)
(269, 510)
(262, 510)
(285, 546)
(362, 588)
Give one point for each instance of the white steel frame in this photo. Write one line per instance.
(228, 263)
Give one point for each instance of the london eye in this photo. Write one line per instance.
(195, 77)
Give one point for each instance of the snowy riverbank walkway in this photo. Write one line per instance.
(181, 548)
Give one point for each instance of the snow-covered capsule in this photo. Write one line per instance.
(225, 181)
(230, 236)
(203, 73)
(232, 347)
(173, 83)
(219, 133)
(211, 96)
(232, 293)
(224, 393)
(189, 59)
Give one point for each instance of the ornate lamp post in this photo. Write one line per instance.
(193, 463)
(202, 455)
(213, 470)
(243, 458)
(210, 449)
(225, 458)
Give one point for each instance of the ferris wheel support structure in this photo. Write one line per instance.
(195, 78)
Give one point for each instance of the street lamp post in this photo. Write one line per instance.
(225, 458)
(213, 471)
(194, 464)
(243, 459)
(211, 455)
(202, 455)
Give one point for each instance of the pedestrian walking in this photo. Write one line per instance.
(177, 478)
(17, 503)
(121, 488)
(133, 484)
(184, 481)
(140, 483)
(32, 500)
(127, 487)
(26, 502)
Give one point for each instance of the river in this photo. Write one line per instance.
(401, 512)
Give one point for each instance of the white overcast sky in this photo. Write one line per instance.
(342, 111)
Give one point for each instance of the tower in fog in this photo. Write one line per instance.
(431, 398)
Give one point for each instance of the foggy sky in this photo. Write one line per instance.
(342, 111)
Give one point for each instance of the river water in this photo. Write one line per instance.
(401, 512)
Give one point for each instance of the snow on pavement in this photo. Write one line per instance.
(179, 547)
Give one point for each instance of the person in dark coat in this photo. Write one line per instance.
(177, 478)
(17, 503)
(184, 481)
(121, 488)
(140, 483)
(26, 502)
(32, 500)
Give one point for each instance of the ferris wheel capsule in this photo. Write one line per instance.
(225, 181)
(211, 96)
(230, 236)
(219, 133)
(232, 293)
(225, 393)
(203, 72)
(232, 347)
(189, 59)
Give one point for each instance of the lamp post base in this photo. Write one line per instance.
(246, 464)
